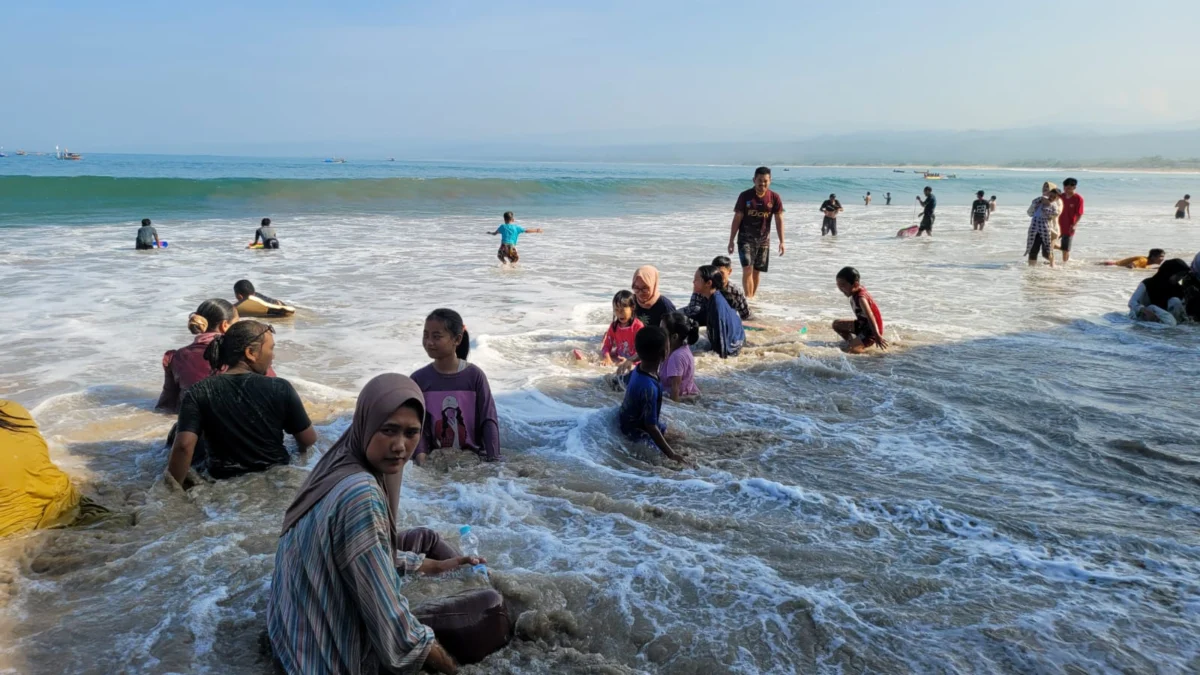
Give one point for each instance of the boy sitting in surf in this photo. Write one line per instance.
(866, 328)
(641, 410)
(509, 232)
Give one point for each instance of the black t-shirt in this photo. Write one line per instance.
(930, 205)
(243, 418)
(980, 208)
(830, 208)
(654, 315)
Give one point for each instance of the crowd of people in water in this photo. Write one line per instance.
(335, 601)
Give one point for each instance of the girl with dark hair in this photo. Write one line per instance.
(186, 366)
(678, 372)
(618, 341)
(1160, 297)
(241, 412)
(459, 410)
(725, 332)
(34, 493)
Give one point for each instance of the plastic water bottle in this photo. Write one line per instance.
(468, 543)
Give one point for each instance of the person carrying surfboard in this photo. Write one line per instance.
(928, 204)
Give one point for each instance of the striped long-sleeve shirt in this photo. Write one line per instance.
(335, 603)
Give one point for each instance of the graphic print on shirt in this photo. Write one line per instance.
(453, 414)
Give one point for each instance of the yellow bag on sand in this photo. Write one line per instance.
(34, 493)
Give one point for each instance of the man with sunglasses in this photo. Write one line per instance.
(242, 414)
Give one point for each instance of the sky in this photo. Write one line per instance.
(191, 77)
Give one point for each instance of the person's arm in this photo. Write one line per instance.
(487, 420)
(734, 227)
(536, 230)
(675, 387)
(606, 347)
(156, 242)
(1138, 300)
(169, 398)
(779, 230)
(306, 439)
(258, 236)
(295, 421)
(494, 232)
(656, 435)
(181, 455)
(1079, 216)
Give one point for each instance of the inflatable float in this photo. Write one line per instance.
(259, 306)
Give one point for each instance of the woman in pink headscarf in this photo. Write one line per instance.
(652, 306)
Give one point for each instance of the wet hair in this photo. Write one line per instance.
(13, 423)
(1070, 181)
(714, 275)
(243, 287)
(979, 194)
(623, 298)
(266, 222)
(228, 350)
(1156, 252)
(145, 222)
(454, 323)
(509, 217)
(209, 315)
(722, 261)
(678, 323)
(762, 171)
(848, 275)
(650, 343)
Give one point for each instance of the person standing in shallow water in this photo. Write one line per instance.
(887, 199)
(830, 208)
(1183, 208)
(980, 210)
(751, 228)
(867, 199)
(928, 204)
(1072, 213)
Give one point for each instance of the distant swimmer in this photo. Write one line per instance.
(266, 234)
(992, 205)
(509, 231)
(979, 211)
(1139, 262)
(1072, 213)
(929, 204)
(831, 208)
(147, 236)
(888, 197)
(866, 328)
(867, 199)
(1183, 208)
(751, 228)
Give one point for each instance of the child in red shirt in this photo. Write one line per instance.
(618, 344)
(866, 328)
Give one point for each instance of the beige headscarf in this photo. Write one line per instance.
(348, 456)
(649, 276)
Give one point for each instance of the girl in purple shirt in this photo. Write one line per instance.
(460, 412)
(678, 372)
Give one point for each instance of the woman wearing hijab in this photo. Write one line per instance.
(335, 603)
(1159, 298)
(652, 306)
(1043, 227)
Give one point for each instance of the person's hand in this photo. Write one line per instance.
(781, 247)
(883, 344)
(730, 247)
(439, 660)
(681, 459)
(608, 360)
(431, 566)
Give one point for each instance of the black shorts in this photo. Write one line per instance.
(979, 218)
(926, 225)
(143, 247)
(1179, 215)
(829, 225)
(1064, 242)
(755, 253)
(271, 243)
(508, 253)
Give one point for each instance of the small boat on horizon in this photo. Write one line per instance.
(21, 153)
(897, 170)
(335, 160)
(66, 154)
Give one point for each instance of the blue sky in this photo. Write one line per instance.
(149, 76)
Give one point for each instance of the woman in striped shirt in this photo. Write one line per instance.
(335, 603)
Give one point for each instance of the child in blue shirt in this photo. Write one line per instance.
(509, 232)
(642, 408)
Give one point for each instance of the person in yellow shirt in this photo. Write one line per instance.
(1139, 262)
(34, 493)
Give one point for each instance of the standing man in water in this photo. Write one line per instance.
(1072, 212)
(867, 200)
(830, 208)
(1183, 208)
(751, 228)
(929, 204)
(888, 197)
(979, 211)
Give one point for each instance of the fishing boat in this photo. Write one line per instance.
(65, 154)
(21, 153)
(932, 176)
(897, 170)
(335, 160)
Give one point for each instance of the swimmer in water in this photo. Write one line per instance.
(1139, 262)
(1183, 208)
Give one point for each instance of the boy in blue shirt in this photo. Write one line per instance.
(509, 232)
(642, 407)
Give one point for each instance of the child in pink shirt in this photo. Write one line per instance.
(618, 344)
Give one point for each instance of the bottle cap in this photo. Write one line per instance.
(464, 529)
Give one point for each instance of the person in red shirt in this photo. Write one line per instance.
(752, 214)
(1072, 212)
(866, 328)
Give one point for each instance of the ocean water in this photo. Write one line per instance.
(1013, 487)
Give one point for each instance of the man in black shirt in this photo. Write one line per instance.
(929, 203)
(980, 210)
(830, 208)
(241, 412)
